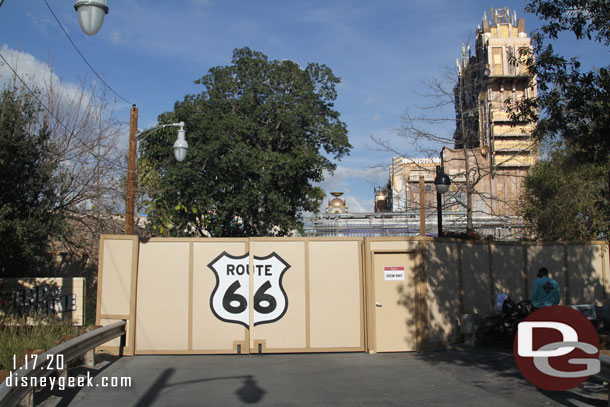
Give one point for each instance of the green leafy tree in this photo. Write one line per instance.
(29, 203)
(572, 104)
(567, 194)
(562, 197)
(260, 134)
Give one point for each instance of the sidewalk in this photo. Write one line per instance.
(458, 377)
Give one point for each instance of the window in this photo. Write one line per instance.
(496, 60)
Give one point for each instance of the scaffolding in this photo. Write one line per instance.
(500, 228)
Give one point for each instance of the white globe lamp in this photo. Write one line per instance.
(91, 15)
(180, 146)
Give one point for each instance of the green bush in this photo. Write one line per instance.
(18, 335)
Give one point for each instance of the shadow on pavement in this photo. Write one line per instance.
(102, 362)
(494, 369)
(249, 393)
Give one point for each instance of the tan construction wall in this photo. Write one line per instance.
(342, 294)
(477, 280)
(207, 333)
(172, 311)
(162, 323)
(337, 270)
(116, 287)
(482, 270)
(587, 270)
(443, 293)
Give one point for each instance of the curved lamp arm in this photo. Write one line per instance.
(161, 126)
(180, 146)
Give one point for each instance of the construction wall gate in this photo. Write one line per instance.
(276, 295)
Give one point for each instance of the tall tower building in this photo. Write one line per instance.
(489, 82)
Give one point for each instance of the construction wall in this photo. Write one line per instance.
(466, 277)
(323, 294)
(198, 296)
(116, 287)
(444, 293)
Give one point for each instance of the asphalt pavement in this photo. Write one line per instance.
(458, 377)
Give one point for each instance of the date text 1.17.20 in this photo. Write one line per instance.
(52, 362)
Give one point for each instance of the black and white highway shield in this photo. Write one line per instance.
(270, 300)
(229, 300)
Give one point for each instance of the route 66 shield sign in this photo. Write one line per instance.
(270, 300)
(230, 298)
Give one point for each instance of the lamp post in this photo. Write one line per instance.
(180, 147)
(442, 182)
(90, 14)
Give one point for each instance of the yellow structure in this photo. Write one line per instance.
(492, 150)
(336, 205)
(495, 77)
(405, 173)
(489, 82)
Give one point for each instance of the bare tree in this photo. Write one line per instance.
(85, 130)
(427, 129)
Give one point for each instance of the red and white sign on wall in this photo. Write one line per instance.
(394, 273)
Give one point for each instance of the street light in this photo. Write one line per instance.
(442, 182)
(91, 14)
(180, 147)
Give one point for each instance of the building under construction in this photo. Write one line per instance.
(490, 157)
(409, 223)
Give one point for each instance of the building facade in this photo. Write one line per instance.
(405, 174)
(336, 205)
(492, 153)
(490, 157)
(490, 146)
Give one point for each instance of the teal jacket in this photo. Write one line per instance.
(546, 292)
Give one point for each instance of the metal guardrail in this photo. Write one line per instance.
(70, 350)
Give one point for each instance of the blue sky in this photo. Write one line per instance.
(150, 52)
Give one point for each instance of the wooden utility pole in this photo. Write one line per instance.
(131, 171)
(422, 207)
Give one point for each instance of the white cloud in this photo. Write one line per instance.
(200, 3)
(40, 78)
(355, 205)
(357, 185)
(42, 24)
(200, 8)
(115, 37)
(342, 177)
(339, 180)
(36, 74)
